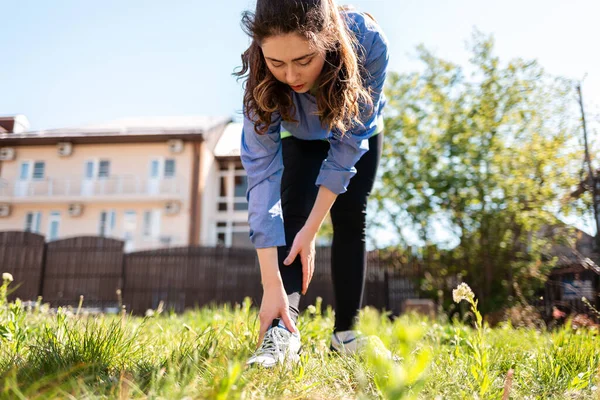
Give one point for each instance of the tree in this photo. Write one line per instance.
(488, 155)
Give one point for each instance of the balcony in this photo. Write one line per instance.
(114, 188)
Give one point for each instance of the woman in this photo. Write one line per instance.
(311, 143)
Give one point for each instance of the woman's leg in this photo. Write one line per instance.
(348, 252)
(302, 161)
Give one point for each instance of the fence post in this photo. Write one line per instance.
(123, 266)
(387, 289)
(43, 271)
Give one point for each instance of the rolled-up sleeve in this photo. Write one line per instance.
(346, 149)
(261, 158)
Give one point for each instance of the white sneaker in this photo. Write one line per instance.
(348, 342)
(354, 342)
(279, 346)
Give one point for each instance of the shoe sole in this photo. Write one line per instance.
(295, 359)
(333, 351)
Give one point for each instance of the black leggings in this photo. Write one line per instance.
(302, 161)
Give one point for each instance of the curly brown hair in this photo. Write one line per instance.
(341, 94)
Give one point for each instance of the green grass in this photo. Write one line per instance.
(202, 354)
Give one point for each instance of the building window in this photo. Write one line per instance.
(147, 222)
(151, 228)
(154, 168)
(240, 185)
(169, 168)
(231, 228)
(25, 170)
(38, 170)
(233, 234)
(53, 225)
(107, 223)
(100, 169)
(129, 229)
(240, 205)
(241, 240)
(33, 221)
(162, 168)
(233, 184)
(221, 239)
(89, 169)
(104, 169)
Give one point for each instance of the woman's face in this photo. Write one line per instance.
(293, 61)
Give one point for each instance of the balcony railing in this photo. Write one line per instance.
(123, 185)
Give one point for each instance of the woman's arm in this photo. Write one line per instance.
(261, 157)
(269, 266)
(323, 203)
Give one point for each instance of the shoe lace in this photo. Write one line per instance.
(272, 341)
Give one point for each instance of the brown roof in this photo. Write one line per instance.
(571, 259)
(7, 124)
(123, 131)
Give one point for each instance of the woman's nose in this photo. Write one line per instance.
(291, 75)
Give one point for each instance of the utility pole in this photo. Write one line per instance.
(593, 185)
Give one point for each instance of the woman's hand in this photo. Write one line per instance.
(304, 244)
(274, 305)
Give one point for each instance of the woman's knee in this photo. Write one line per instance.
(349, 218)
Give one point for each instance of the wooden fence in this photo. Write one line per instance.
(184, 277)
(22, 255)
(96, 267)
(88, 265)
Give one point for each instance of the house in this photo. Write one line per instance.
(576, 275)
(152, 182)
(592, 185)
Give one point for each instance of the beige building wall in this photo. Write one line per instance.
(126, 159)
(128, 188)
(209, 182)
(88, 223)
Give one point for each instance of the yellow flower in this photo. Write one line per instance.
(7, 277)
(462, 292)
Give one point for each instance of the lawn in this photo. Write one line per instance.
(67, 353)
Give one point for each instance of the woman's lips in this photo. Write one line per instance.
(298, 87)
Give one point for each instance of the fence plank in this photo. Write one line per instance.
(22, 255)
(85, 265)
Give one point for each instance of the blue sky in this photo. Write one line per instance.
(73, 62)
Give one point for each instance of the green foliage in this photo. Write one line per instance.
(489, 151)
(202, 354)
(479, 353)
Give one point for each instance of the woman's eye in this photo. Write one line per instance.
(304, 64)
(277, 65)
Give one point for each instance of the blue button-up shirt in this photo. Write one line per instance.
(261, 154)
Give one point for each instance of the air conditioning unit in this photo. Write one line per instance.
(172, 207)
(166, 240)
(75, 209)
(64, 149)
(4, 210)
(7, 153)
(175, 145)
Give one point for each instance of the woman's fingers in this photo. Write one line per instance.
(305, 272)
(261, 336)
(292, 255)
(287, 321)
(311, 269)
(308, 269)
